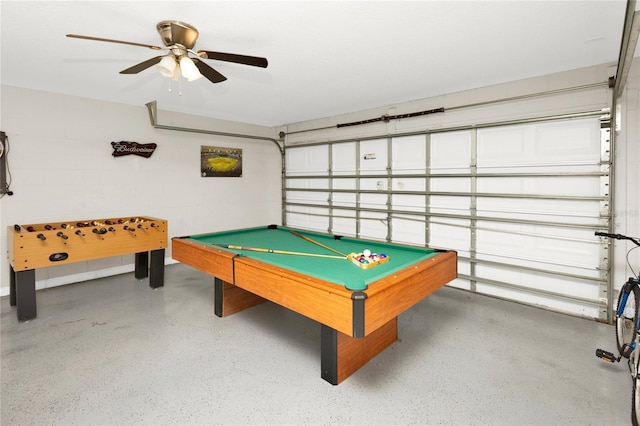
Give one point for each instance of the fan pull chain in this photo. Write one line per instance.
(179, 87)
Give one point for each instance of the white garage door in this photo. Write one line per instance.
(518, 202)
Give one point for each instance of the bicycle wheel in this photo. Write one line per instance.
(627, 322)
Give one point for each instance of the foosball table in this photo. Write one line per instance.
(34, 246)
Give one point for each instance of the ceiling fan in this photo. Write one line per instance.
(179, 39)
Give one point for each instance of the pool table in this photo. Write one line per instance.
(356, 307)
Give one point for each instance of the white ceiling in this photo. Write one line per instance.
(325, 57)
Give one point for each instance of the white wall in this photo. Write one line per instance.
(62, 169)
(588, 99)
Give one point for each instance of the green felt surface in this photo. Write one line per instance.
(338, 271)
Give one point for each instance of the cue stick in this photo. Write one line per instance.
(264, 250)
(316, 242)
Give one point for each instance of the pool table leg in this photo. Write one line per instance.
(229, 299)
(342, 355)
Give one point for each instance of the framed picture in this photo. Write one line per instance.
(220, 162)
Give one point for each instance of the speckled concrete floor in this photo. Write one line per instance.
(113, 351)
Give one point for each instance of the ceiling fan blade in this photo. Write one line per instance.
(232, 57)
(142, 66)
(150, 46)
(211, 74)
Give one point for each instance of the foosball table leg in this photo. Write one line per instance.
(23, 293)
(12, 286)
(142, 265)
(156, 279)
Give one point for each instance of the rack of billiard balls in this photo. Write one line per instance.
(367, 260)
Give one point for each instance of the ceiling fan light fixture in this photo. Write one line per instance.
(179, 40)
(167, 66)
(189, 69)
